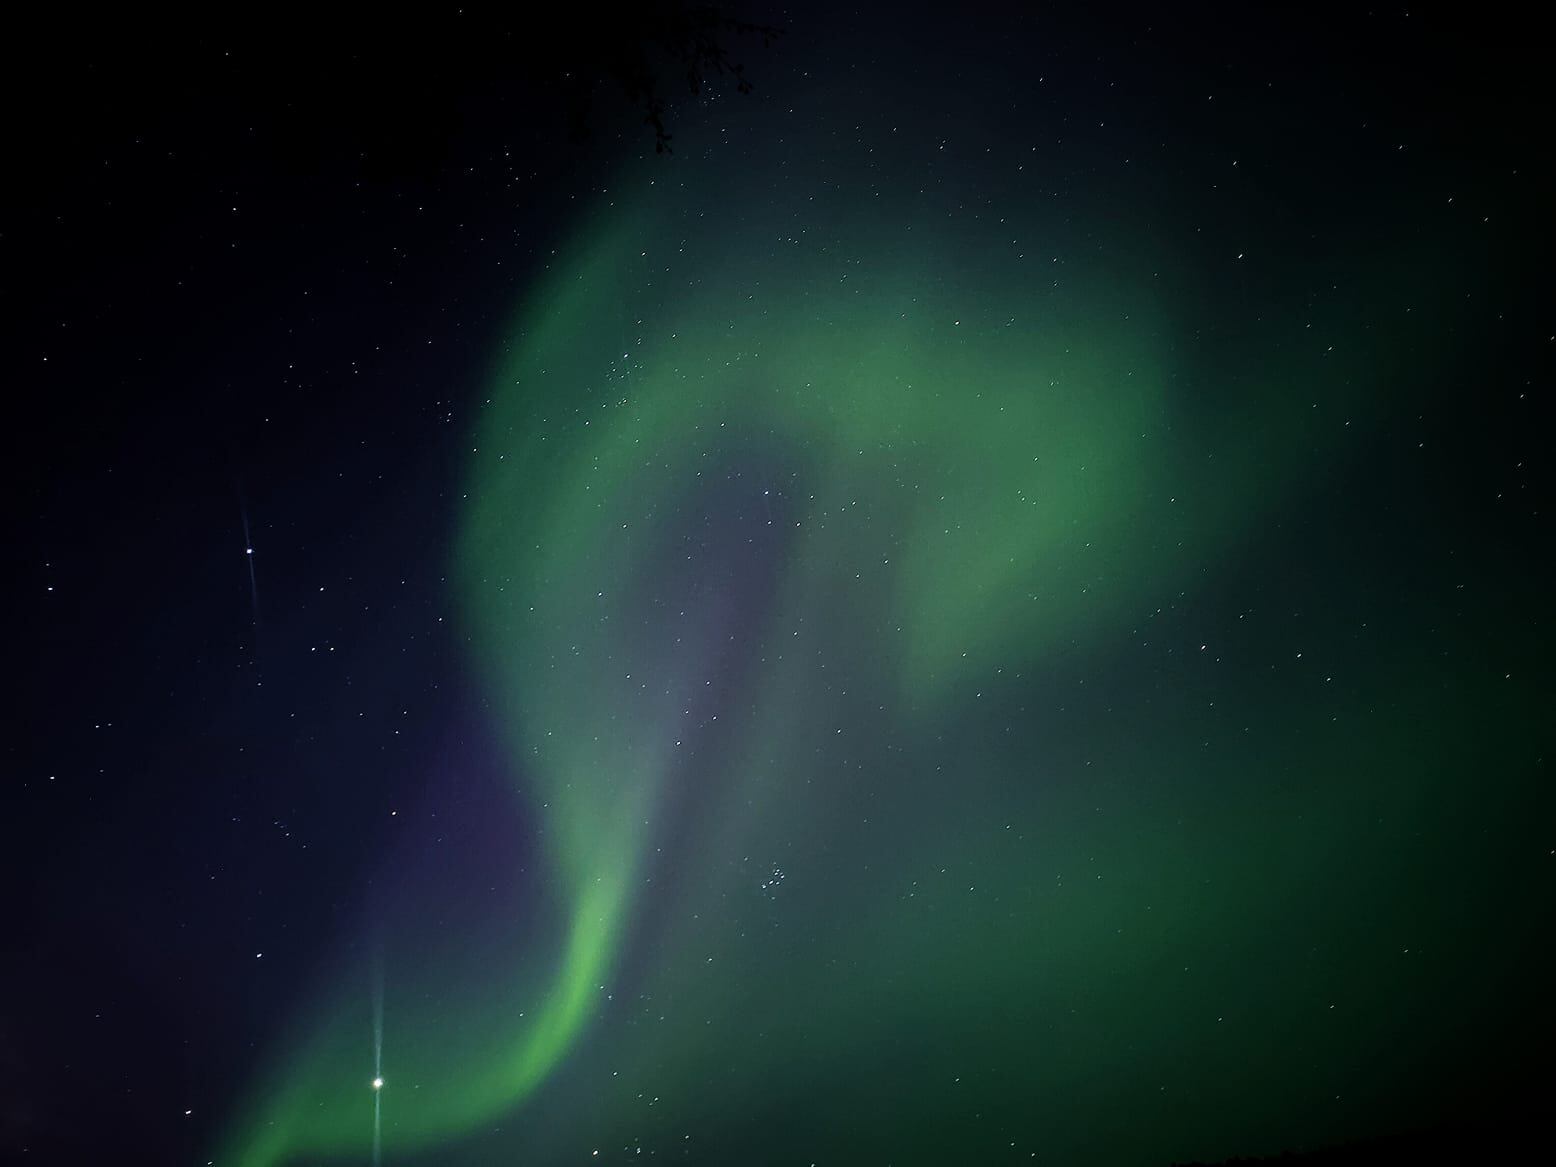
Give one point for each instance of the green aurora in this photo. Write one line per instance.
(939, 652)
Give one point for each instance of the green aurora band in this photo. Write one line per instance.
(796, 523)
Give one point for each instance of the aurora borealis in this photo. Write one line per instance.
(989, 613)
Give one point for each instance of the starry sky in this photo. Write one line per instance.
(990, 604)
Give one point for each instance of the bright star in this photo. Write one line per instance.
(378, 1083)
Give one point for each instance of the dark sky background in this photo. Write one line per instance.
(275, 742)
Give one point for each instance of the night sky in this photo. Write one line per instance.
(989, 604)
